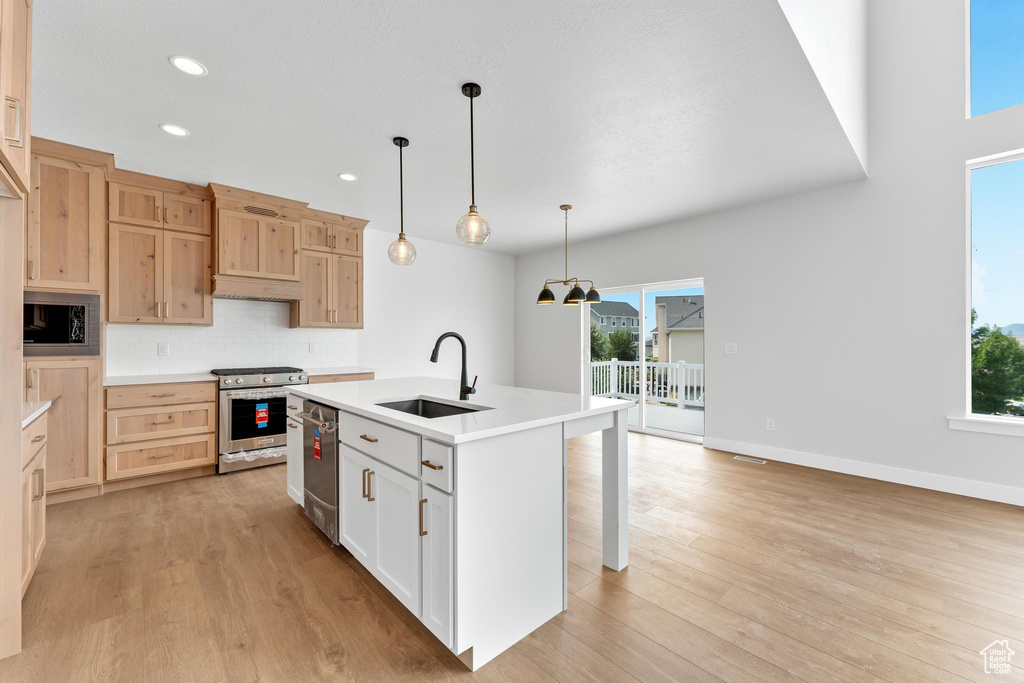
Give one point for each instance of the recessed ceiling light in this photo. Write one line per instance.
(348, 176)
(173, 129)
(188, 65)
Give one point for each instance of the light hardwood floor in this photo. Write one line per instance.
(738, 572)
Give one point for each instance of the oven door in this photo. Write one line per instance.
(253, 418)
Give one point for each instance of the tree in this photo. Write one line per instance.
(623, 346)
(598, 344)
(997, 371)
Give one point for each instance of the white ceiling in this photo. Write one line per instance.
(634, 111)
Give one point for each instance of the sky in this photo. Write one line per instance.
(997, 192)
(633, 298)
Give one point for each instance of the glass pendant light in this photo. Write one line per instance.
(401, 252)
(472, 229)
(575, 295)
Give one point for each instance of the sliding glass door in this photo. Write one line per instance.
(647, 344)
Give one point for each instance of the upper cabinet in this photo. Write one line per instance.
(15, 82)
(65, 228)
(333, 237)
(156, 208)
(257, 246)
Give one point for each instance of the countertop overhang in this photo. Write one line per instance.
(508, 409)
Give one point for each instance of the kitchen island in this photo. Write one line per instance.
(463, 517)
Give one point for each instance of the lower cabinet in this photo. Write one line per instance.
(160, 455)
(401, 530)
(296, 488)
(33, 515)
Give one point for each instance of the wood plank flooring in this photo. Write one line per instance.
(739, 572)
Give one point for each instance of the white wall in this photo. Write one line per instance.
(848, 304)
(405, 309)
(244, 334)
(449, 287)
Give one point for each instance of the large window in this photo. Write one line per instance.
(997, 55)
(997, 289)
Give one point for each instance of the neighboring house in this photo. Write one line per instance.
(679, 336)
(616, 315)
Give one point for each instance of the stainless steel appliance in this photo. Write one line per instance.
(253, 416)
(61, 324)
(320, 466)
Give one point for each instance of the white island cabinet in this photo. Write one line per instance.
(463, 517)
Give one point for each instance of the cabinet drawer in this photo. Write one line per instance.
(32, 439)
(437, 465)
(164, 455)
(140, 395)
(329, 379)
(137, 424)
(392, 446)
(294, 407)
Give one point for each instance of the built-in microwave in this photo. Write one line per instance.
(60, 324)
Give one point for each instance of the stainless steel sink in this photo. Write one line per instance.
(423, 407)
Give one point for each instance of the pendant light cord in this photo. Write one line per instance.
(401, 193)
(472, 155)
(566, 246)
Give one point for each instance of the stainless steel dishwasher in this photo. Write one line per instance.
(320, 466)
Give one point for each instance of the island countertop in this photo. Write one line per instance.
(508, 409)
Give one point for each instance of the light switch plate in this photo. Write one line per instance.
(163, 349)
(769, 424)
(312, 347)
(731, 348)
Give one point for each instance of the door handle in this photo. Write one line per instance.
(369, 487)
(37, 439)
(364, 437)
(28, 380)
(42, 486)
(422, 530)
(158, 305)
(31, 270)
(364, 481)
(427, 463)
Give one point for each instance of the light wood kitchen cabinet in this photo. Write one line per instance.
(156, 208)
(33, 516)
(159, 276)
(15, 86)
(65, 228)
(260, 246)
(332, 292)
(126, 425)
(324, 236)
(158, 456)
(73, 421)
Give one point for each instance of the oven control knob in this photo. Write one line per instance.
(227, 381)
(302, 378)
(239, 380)
(292, 378)
(266, 379)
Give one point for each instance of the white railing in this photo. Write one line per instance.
(680, 384)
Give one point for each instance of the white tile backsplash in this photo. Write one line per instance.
(244, 333)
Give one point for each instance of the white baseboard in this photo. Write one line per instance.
(897, 475)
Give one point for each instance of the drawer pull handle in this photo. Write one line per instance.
(165, 395)
(369, 487)
(162, 455)
(37, 439)
(422, 530)
(42, 483)
(170, 420)
(427, 463)
(292, 426)
(364, 437)
(291, 407)
(364, 481)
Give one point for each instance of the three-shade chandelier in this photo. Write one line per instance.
(576, 295)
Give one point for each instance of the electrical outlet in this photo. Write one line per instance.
(163, 349)
(769, 424)
(731, 348)
(312, 347)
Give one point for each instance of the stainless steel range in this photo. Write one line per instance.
(253, 416)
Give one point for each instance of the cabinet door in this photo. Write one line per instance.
(136, 205)
(136, 269)
(279, 249)
(348, 291)
(28, 486)
(188, 214)
(354, 527)
(73, 421)
(295, 485)
(437, 563)
(188, 294)
(15, 41)
(66, 227)
(396, 536)
(316, 235)
(238, 243)
(347, 240)
(38, 506)
(315, 308)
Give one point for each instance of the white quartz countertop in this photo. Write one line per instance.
(124, 380)
(33, 409)
(511, 409)
(341, 370)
